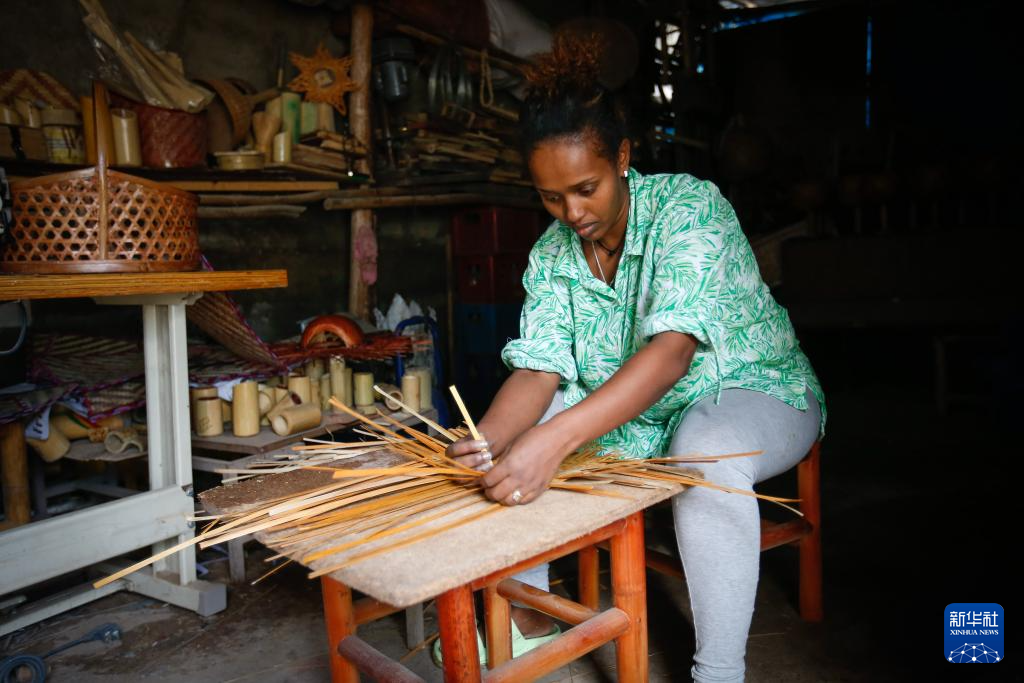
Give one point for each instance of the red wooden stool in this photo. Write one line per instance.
(803, 531)
(625, 623)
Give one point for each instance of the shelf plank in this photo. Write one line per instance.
(126, 284)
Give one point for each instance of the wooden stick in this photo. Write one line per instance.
(426, 420)
(465, 413)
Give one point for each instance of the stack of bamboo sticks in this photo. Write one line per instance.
(393, 507)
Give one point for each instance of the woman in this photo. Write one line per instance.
(648, 330)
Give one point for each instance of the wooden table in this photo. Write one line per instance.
(156, 518)
(503, 544)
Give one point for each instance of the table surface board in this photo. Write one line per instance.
(424, 569)
(126, 284)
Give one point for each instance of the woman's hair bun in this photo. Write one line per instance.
(572, 67)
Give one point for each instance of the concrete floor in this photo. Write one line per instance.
(915, 512)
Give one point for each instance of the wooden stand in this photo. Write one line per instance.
(625, 623)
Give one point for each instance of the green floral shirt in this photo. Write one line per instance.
(686, 267)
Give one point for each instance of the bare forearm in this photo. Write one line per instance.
(518, 405)
(637, 385)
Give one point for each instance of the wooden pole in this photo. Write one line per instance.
(341, 623)
(375, 664)
(14, 467)
(629, 590)
(363, 241)
(497, 621)
(458, 636)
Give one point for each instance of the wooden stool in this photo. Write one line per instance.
(803, 531)
(625, 623)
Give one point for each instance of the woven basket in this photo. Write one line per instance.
(99, 221)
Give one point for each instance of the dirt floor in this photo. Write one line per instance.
(916, 511)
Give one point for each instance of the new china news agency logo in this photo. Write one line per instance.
(973, 633)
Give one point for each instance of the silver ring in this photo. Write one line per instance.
(516, 496)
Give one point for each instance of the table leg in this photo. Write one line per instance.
(629, 590)
(14, 470)
(458, 636)
(497, 618)
(589, 574)
(341, 623)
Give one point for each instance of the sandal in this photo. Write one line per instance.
(520, 644)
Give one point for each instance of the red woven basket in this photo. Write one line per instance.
(98, 221)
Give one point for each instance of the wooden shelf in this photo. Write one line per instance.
(127, 284)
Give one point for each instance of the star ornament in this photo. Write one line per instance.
(323, 78)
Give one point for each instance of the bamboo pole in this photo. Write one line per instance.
(363, 246)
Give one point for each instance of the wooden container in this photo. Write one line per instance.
(209, 417)
(96, 220)
(290, 400)
(245, 410)
(301, 385)
(196, 393)
(266, 399)
(341, 382)
(296, 419)
(426, 386)
(392, 392)
(227, 411)
(363, 388)
(245, 160)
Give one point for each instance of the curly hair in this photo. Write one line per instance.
(566, 99)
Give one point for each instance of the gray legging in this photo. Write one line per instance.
(719, 534)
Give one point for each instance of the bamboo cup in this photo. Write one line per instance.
(282, 148)
(347, 387)
(325, 393)
(54, 447)
(266, 399)
(314, 369)
(337, 377)
(363, 382)
(245, 406)
(296, 419)
(411, 390)
(301, 385)
(280, 393)
(264, 127)
(227, 411)
(209, 417)
(289, 401)
(394, 392)
(426, 384)
(194, 395)
(314, 392)
(127, 149)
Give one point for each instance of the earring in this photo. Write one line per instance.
(625, 174)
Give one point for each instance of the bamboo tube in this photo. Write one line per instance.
(209, 417)
(296, 419)
(290, 400)
(411, 389)
(314, 391)
(75, 427)
(196, 393)
(54, 447)
(325, 393)
(300, 384)
(337, 381)
(245, 406)
(363, 388)
(392, 396)
(314, 369)
(127, 149)
(426, 386)
(226, 411)
(347, 387)
(280, 393)
(266, 400)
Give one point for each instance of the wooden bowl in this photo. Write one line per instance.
(250, 160)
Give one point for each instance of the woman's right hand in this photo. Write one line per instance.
(472, 453)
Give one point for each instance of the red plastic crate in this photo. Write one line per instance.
(489, 279)
(494, 230)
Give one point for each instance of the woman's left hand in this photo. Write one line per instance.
(527, 467)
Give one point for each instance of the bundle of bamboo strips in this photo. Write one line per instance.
(426, 495)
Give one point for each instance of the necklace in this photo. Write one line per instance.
(597, 260)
